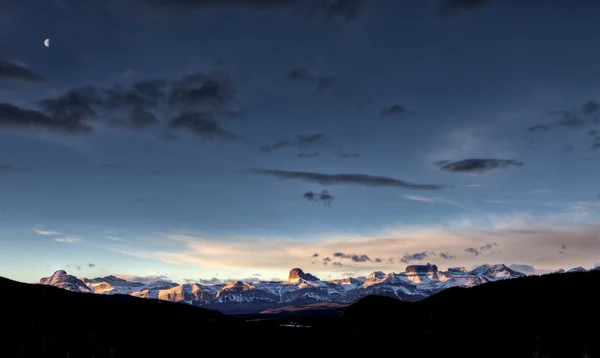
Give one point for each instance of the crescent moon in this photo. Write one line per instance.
(47, 42)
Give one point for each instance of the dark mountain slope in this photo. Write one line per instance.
(556, 315)
(551, 316)
(45, 321)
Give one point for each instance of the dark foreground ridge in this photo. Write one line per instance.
(538, 316)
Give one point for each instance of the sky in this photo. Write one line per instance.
(211, 140)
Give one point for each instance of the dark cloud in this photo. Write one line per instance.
(326, 259)
(417, 256)
(338, 264)
(473, 251)
(73, 106)
(302, 75)
(488, 247)
(315, 255)
(201, 124)
(13, 117)
(344, 9)
(213, 91)
(91, 265)
(349, 179)
(574, 118)
(562, 249)
(302, 141)
(476, 165)
(194, 102)
(596, 143)
(4, 168)
(307, 155)
(527, 269)
(395, 111)
(323, 197)
(447, 255)
(141, 118)
(14, 71)
(593, 132)
(452, 6)
(210, 281)
(353, 257)
(204, 4)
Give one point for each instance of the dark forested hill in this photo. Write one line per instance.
(548, 316)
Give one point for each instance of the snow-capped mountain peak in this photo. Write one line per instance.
(61, 279)
(496, 272)
(415, 283)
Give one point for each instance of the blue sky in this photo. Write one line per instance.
(221, 174)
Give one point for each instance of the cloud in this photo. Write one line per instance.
(563, 249)
(301, 75)
(432, 200)
(46, 233)
(476, 165)
(201, 124)
(4, 168)
(348, 179)
(453, 6)
(79, 267)
(473, 251)
(488, 247)
(68, 240)
(196, 103)
(323, 197)
(394, 112)
(252, 4)
(115, 238)
(417, 256)
(572, 118)
(338, 264)
(300, 142)
(13, 117)
(16, 71)
(315, 255)
(344, 9)
(585, 207)
(446, 255)
(340, 10)
(353, 257)
(524, 237)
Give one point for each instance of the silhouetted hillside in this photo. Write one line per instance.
(552, 316)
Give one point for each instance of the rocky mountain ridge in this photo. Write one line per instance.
(416, 283)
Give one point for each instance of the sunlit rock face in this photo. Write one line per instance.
(296, 274)
(67, 282)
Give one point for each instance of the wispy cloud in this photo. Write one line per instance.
(432, 200)
(46, 232)
(348, 179)
(524, 238)
(68, 240)
(115, 238)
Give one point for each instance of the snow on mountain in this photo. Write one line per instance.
(496, 272)
(577, 269)
(64, 281)
(301, 288)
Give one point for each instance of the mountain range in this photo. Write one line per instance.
(300, 289)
